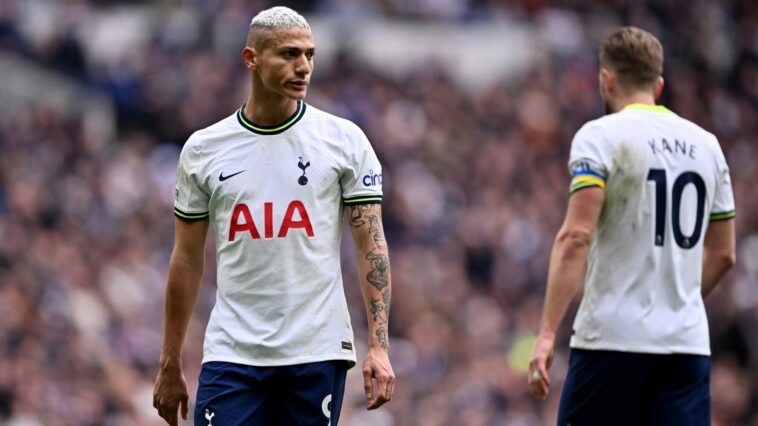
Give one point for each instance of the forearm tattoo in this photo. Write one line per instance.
(387, 297)
(359, 214)
(378, 276)
(377, 310)
(381, 335)
(368, 213)
(380, 309)
(376, 231)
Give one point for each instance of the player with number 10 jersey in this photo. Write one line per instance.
(665, 179)
(649, 232)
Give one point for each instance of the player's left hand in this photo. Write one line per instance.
(542, 359)
(170, 394)
(378, 377)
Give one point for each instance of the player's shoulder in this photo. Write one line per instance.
(698, 131)
(598, 138)
(593, 130)
(596, 124)
(196, 149)
(220, 129)
(332, 126)
(694, 133)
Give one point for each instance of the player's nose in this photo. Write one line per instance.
(303, 66)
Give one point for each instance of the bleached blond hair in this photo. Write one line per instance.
(279, 17)
(272, 19)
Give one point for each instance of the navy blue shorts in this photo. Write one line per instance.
(622, 388)
(305, 394)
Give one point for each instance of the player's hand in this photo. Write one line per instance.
(542, 359)
(378, 378)
(170, 394)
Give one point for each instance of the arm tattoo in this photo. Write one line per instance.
(378, 276)
(377, 310)
(367, 213)
(358, 214)
(387, 297)
(376, 231)
(380, 309)
(381, 335)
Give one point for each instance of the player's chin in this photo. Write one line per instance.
(296, 92)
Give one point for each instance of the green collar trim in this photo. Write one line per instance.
(648, 108)
(275, 129)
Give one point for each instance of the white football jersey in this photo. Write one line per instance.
(275, 197)
(665, 179)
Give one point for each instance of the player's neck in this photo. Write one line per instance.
(268, 109)
(623, 101)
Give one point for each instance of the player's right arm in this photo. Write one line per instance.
(588, 162)
(184, 278)
(719, 253)
(565, 277)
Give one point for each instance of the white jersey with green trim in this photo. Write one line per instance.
(275, 198)
(665, 179)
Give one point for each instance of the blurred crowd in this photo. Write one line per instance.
(475, 188)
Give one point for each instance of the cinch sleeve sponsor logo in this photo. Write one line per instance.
(372, 179)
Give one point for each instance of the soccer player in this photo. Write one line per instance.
(273, 181)
(651, 213)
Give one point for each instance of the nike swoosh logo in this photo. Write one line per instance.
(222, 178)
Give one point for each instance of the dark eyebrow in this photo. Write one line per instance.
(290, 47)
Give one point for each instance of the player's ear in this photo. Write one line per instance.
(249, 57)
(606, 80)
(658, 87)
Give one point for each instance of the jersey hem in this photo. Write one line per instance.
(350, 358)
(643, 349)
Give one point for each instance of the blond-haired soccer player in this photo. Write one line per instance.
(272, 181)
(650, 213)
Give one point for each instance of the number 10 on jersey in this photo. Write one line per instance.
(658, 176)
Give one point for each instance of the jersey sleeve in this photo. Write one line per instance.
(723, 200)
(361, 178)
(588, 164)
(191, 201)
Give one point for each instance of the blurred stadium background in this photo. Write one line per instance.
(471, 106)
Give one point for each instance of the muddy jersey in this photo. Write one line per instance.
(275, 197)
(665, 179)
